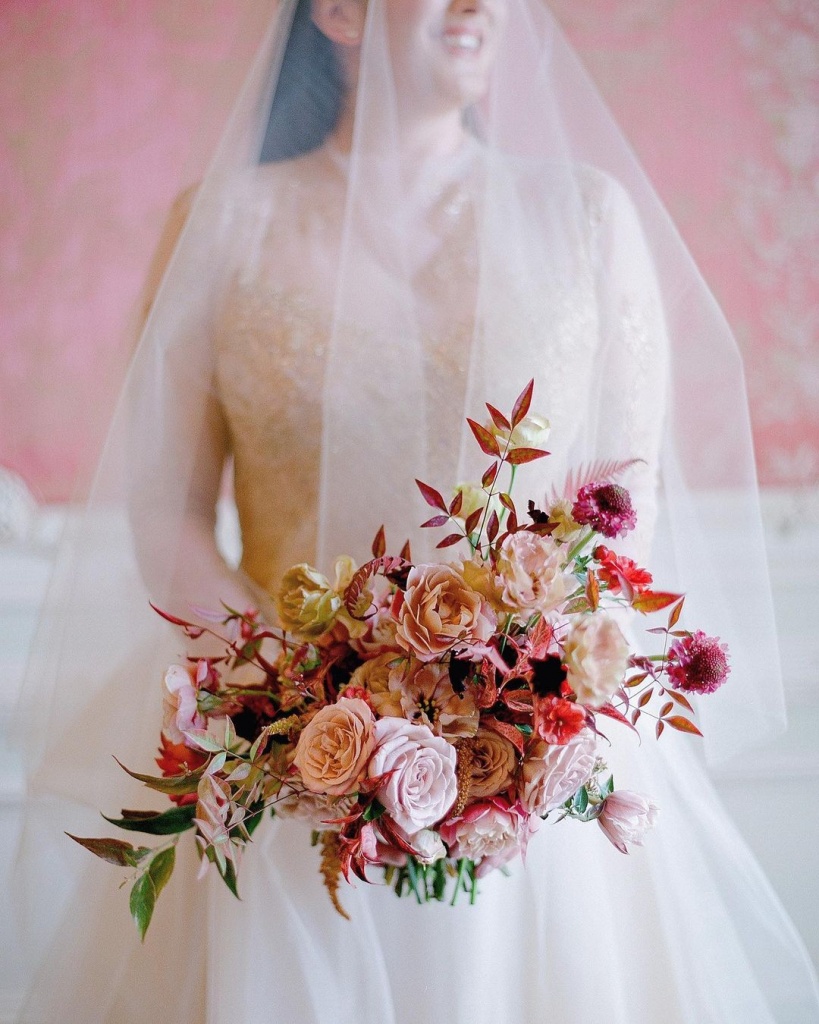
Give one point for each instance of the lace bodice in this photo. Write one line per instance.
(272, 343)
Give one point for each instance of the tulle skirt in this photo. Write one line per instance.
(685, 930)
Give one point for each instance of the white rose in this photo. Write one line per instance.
(423, 784)
(531, 432)
(428, 845)
(531, 568)
(626, 817)
(552, 773)
(596, 657)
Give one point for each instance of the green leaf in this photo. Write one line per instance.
(204, 740)
(581, 800)
(375, 810)
(229, 877)
(112, 851)
(177, 819)
(174, 785)
(142, 903)
(161, 869)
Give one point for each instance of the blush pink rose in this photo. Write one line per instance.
(421, 785)
(596, 657)
(440, 611)
(551, 774)
(531, 569)
(626, 817)
(490, 832)
(180, 710)
(334, 747)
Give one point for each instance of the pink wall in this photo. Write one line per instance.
(98, 104)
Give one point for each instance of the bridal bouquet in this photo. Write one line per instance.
(425, 718)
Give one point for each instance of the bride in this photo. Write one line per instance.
(417, 206)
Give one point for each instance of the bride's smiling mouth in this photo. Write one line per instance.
(462, 41)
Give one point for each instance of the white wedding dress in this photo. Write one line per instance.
(683, 931)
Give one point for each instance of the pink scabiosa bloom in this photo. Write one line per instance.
(698, 663)
(606, 508)
(625, 817)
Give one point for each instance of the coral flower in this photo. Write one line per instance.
(606, 508)
(698, 663)
(617, 571)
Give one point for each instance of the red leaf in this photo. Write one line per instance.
(592, 591)
(635, 715)
(659, 729)
(518, 456)
(473, 520)
(406, 551)
(191, 629)
(487, 441)
(682, 725)
(456, 504)
(500, 421)
(379, 543)
(611, 712)
(683, 701)
(492, 526)
(522, 403)
(431, 496)
(507, 502)
(435, 521)
(447, 542)
(385, 564)
(636, 680)
(506, 730)
(490, 476)
(669, 706)
(652, 601)
(674, 616)
(646, 697)
(512, 523)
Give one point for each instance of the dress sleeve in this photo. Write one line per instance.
(634, 361)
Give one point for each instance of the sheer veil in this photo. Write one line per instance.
(439, 272)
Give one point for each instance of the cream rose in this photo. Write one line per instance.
(382, 677)
(494, 760)
(439, 612)
(475, 497)
(334, 747)
(550, 774)
(422, 784)
(531, 432)
(596, 657)
(306, 603)
(531, 568)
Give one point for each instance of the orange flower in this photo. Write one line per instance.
(175, 759)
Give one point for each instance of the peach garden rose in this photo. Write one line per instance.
(596, 656)
(439, 611)
(334, 747)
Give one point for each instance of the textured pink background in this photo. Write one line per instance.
(99, 105)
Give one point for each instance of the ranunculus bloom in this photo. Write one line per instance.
(334, 747)
(494, 761)
(440, 611)
(491, 832)
(698, 663)
(531, 432)
(531, 569)
(422, 784)
(306, 603)
(606, 508)
(626, 817)
(596, 657)
(551, 774)
(179, 705)
(427, 698)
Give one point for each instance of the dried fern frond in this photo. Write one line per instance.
(602, 471)
(331, 869)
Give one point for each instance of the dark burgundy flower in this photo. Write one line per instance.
(698, 663)
(606, 508)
